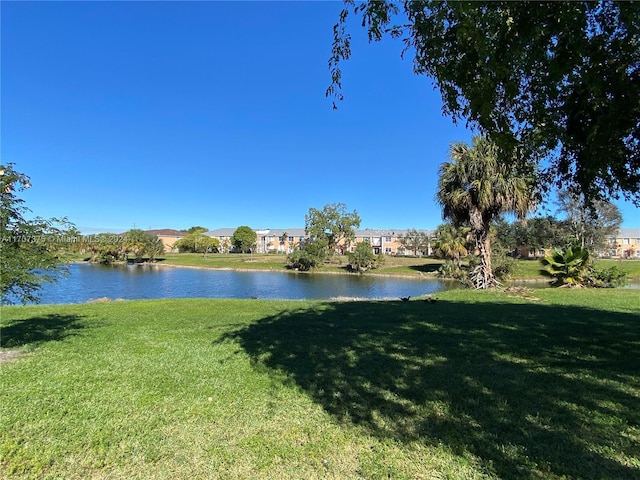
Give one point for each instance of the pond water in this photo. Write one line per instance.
(87, 282)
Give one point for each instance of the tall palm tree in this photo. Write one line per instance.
(474, 188)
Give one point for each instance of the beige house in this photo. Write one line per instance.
(286, 240)
(625, 244)
(168, 237)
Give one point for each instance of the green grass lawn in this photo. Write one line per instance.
(475, 385)
(407, 266)
(530, 268)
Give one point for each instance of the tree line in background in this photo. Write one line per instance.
(475, 190)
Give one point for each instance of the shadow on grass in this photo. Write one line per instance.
(34, 331)
(426, 268)
(532, 391)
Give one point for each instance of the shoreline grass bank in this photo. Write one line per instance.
(476, 385)
(392, 266)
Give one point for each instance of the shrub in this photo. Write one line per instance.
(570, 267)
(611, 277)
(362, 259)
(302, 260)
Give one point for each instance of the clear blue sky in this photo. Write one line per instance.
(169, 115)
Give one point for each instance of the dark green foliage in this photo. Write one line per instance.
(105, 247)
(244, 239)
(332, 225)
(556, 80)
(31, 251)
(611, 277)
(363, 258)
(310, 255)
(302, 260)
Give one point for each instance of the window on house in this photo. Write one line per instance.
(291, 239)
(625, 241)
(387, 250)
(387, 239)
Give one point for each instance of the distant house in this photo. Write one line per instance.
(625, 244)
(388, 242)
(286, 240)
(281, 240)
(168, 237)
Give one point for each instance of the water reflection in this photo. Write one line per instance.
(87, 282)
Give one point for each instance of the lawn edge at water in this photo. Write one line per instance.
(215, 388)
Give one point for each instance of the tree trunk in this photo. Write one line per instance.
(482, 276)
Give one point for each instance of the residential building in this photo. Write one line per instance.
(285, 240)
(625, 244)
(168, 237)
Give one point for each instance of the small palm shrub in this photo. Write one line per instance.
(570, 267)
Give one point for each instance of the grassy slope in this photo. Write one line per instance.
(476, 385)
(526, 269)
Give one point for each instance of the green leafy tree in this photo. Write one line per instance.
(568, 267)
(197, 229)
(136, 241)
(451, 242)
(541, 233)
(559, 80)
(589, 227)
(474, 188)
(362, 258)
(30, 252)
(197, 242)
(105, 247)
(244, 239)
(154, 248)
(414, 240)
(334, 225)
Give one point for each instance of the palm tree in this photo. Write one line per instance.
(451, 242)
(474, 188)
(568, 267)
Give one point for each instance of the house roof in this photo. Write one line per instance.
(628, 233)
(389, 232)
(299, 232)
(220, 232)
(166, 232)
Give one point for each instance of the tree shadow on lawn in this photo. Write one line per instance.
(530, 390)
(426, 268)
(37, 330)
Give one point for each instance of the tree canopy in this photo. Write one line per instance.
(589, 229)
(197, 242)
(333, 225)
(559, 81)
(474, 189)
(244, 238)
(31, 250)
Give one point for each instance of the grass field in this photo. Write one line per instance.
(542, 385)
(525, 269)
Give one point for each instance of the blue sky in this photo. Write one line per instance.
(169, 115)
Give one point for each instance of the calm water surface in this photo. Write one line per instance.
(129, 282)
